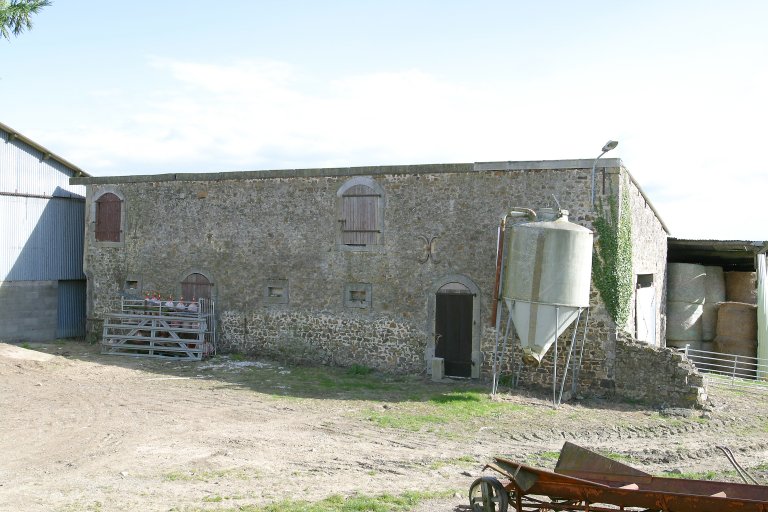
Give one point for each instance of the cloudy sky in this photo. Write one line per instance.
(190, 86)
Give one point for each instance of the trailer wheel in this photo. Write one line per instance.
(486, 494)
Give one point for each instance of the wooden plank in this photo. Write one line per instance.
(189, 357)
(127, 346)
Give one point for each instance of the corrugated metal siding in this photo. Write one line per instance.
(24, 171)
(71, 309)
(42, 239)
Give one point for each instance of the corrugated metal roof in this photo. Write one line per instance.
(46, 154)
(729, 254)
(42, 238)
(26, 170)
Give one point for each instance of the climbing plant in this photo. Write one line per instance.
(612, 258)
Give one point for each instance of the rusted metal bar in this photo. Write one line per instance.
(586, 481)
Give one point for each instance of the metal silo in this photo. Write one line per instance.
(544, 273)
(546, 280)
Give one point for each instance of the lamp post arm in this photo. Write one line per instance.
(594, 165)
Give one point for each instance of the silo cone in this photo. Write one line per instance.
(535, 326)
(546, 281)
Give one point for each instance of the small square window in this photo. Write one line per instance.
(276, 291)
(357, 295)
(132, 285)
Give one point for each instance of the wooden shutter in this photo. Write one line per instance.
(196, 286)
(108, 213)
(360, 223)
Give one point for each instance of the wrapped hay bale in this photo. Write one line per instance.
(684, 321)
(741, 287)
(714, 292)
(686, 283)
(737, 321)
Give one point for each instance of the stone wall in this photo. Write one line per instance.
(339, 340)
(246, 230)
(649, 258)
(655, 375)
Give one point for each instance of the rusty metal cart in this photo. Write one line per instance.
(586, 481)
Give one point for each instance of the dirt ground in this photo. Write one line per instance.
(84, 431)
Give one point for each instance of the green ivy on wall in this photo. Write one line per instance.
(612, 258)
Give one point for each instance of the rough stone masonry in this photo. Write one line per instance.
(272, 244)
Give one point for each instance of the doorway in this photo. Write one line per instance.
(645, 309)
(453, 329)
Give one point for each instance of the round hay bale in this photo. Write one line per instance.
(741, 287)
(686, 282)
(737, 321)
(709, 322)
(714, 285)
(714, 292)
(737, 356)
(684, 321)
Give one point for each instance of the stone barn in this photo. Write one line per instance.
(370, 265)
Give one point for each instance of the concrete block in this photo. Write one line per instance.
(438, 368)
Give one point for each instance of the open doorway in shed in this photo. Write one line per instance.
(453, 328)
(645, 309)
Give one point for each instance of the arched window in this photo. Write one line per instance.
(196, 286)
(361, 213)
(108, 218)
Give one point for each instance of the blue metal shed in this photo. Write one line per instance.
(42, 222)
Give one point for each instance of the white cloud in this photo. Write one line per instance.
(692, 144)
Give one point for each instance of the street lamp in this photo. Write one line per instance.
(608, 146)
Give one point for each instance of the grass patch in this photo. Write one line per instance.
(206, 476)
(359, 369)
(357, 503)
(701, 475)
(551, 455)
(619, 457)
(357, 382)
(455, 461)
(443, 409)
(546, 458)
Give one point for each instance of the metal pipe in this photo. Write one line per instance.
(568, 359)
(577, 367)
(494, 371)
(500, 252)
(554, 364)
